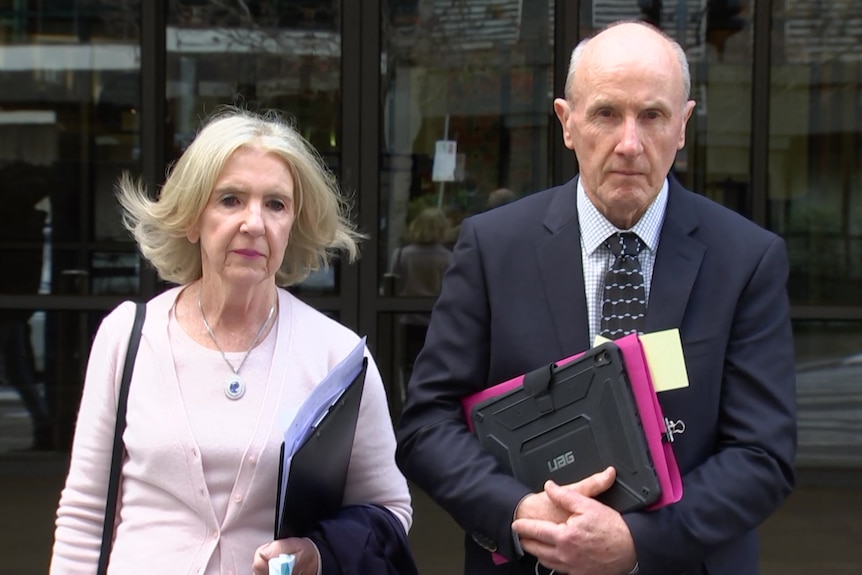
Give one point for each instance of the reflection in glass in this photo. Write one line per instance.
(467, 94)
(321, 281)
(26, 210)
(398, 344)
(418, 267)
(829, 391)
(25, 421)
(68, 127)
(42, 360)
(262, 55)
(417, 271)
(815, 187)
(114, 273)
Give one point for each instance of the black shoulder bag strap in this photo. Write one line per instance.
(119, 427)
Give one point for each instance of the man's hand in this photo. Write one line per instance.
(540, 506)
(592, 540)
(307, 556)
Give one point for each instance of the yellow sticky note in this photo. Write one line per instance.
(663, 351)
(600, 340)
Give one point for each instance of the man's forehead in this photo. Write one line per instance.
(594, 99)
(614, 82)
(614, 72)
(632, 45)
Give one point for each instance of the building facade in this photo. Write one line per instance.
(414, 104)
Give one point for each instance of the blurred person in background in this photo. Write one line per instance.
(417, 271)
(499, 197)
(23, 186)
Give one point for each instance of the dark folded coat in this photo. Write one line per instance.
(363, 539)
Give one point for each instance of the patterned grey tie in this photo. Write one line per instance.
(624, 296)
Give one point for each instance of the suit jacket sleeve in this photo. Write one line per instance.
(436, 450)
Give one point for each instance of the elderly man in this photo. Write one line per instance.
(525, 289)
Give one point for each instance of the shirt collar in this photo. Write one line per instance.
(595, 227)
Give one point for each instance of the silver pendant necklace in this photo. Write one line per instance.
(234, 386)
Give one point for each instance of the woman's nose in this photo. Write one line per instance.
(253, 220)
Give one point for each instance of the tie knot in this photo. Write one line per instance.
(625, 244)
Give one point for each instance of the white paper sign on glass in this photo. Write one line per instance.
(445, 160)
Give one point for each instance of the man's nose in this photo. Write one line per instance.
(630, 143)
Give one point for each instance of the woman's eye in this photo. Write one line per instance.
(228, 201)
(277, 205)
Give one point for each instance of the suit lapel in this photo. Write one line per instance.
(677, 262)
(559, 256)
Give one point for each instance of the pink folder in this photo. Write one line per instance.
(659, 437)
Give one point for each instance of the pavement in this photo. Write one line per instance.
(817, 531)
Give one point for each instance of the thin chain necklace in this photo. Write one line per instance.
(234, 386)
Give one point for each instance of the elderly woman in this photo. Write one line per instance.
(225, 358)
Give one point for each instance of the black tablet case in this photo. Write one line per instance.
(566, 423)
(318, 472)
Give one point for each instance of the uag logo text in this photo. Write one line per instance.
(561, 461)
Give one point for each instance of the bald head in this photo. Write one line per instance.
(631, 42)
(625, 116)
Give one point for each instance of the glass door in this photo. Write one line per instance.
(467, 117)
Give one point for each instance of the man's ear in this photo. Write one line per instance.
(686, 114)
(564, 111)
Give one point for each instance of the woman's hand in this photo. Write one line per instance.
(307, 556)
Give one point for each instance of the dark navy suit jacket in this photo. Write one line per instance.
(514, 300)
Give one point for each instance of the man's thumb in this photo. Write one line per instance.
(590, 486)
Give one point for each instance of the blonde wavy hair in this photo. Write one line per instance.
(160, 227)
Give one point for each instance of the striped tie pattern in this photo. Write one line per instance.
(624, 296)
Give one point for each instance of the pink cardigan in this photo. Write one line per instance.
(166, 520)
